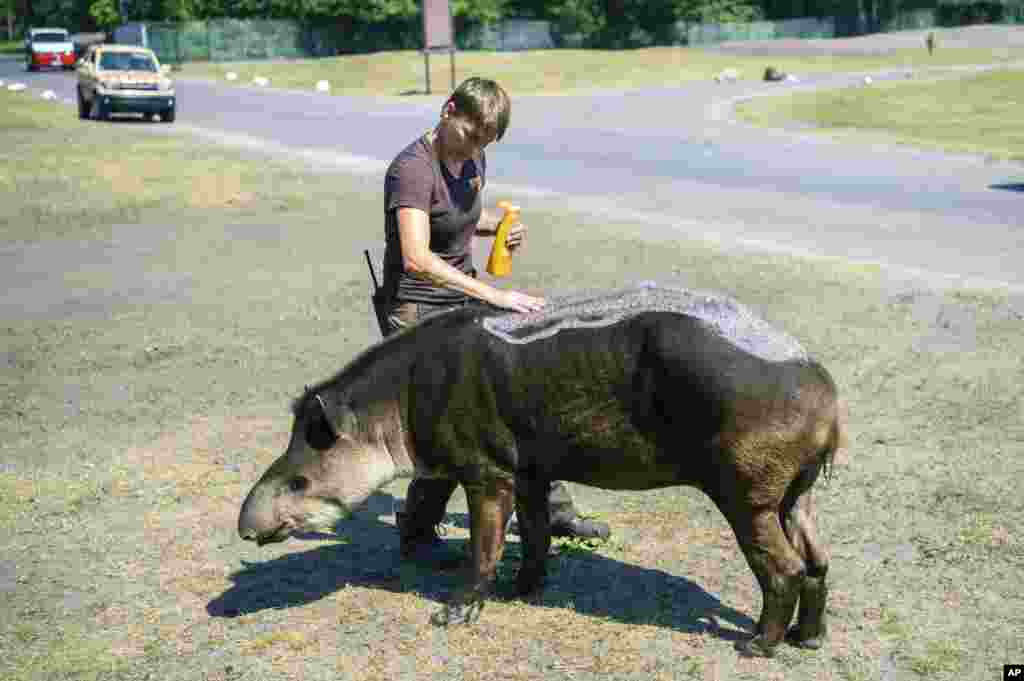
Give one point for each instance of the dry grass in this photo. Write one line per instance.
(140, 428)
(565, 71)
(70, 175)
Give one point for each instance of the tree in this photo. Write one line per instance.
(719, 11)
(105, 14)
(9, 10)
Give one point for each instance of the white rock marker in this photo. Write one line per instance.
(727, 76)
(49, 94)
(16, 87)
(323, 86)
(261, 81)
(231, 75)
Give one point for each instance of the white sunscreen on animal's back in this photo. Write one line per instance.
(729, 319)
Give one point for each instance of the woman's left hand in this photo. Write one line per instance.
(516, 236)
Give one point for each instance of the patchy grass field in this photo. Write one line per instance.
(69, 181)
(151, 342)
(566, 71)
(979, 114)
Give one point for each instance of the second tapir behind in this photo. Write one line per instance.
(633, 389)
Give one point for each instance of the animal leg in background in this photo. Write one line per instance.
(533, 514)
(490, 506)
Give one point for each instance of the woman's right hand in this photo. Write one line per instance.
(515, 300)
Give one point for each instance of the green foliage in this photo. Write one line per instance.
(104, 12)
(719, 11)
(478, 11)
(53, 12)
(177, 10)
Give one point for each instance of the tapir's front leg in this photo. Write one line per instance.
(490, 505)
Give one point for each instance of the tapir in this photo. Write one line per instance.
(634, 388)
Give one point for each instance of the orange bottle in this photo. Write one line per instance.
(499, 263)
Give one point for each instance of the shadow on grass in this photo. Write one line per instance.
(1011, 187)
(588, 583)
(128, 119)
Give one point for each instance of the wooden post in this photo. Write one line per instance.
(438, 34)
(426, 62)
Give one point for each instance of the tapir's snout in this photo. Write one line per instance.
(257, 520)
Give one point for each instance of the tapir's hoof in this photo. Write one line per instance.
(454, 614)
(756, 647)
(810, 643)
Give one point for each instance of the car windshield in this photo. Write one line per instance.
(126, 61)
(50, 38)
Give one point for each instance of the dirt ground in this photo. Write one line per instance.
(145, 385)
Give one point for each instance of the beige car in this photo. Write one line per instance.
(114, 79)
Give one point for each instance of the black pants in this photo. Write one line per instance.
(427, 498)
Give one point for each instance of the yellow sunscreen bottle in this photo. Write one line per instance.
(500, 262)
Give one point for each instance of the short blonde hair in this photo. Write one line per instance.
(484, 105)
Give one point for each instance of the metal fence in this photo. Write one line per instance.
(228, 40)
(704, 34)
(511, 34)
(261, 39)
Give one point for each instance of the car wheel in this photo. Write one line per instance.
(83, 110)
(167, 116)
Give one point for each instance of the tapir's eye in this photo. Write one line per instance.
(298, 483)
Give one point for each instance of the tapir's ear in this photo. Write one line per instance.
(320, 433)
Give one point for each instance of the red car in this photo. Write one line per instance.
(49, 47)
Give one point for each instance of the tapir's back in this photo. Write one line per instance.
(633, 388)
(733, 322)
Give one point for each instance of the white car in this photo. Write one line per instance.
(49, 47)
(115, 79)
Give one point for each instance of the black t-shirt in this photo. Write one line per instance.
(417, 179)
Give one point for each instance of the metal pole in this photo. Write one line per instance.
(451, 55)
(426, 61)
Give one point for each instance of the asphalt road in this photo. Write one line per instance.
(672, 163)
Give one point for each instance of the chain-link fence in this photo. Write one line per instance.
(261, 39)
(228, 40)
(705, 34)
(511, 34)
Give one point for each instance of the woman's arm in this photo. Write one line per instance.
(420, 261)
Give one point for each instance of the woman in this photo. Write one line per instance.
(433, 208)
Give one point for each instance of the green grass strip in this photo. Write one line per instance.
(980, 114)
(566, 71)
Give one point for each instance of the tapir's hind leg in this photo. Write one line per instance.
(778, 568)
(802, 532)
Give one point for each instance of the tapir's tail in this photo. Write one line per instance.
(837, 440)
